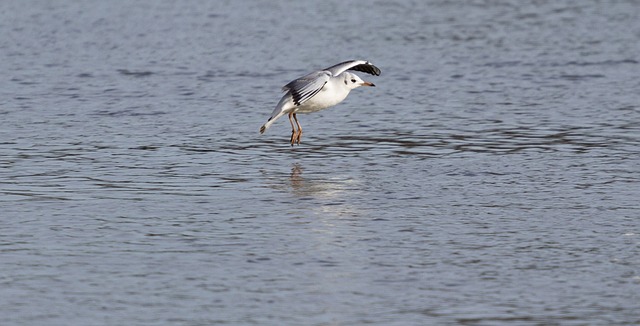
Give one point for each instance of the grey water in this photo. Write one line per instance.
(491, 178)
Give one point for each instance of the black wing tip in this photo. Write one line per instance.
(374, 70)
(366, 67)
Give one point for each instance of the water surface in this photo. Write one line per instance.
(491, 177)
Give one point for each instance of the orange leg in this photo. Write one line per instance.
(299, 129)
(294, 133)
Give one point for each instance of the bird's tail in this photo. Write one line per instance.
(265, 126)
(284, 106)
(270, 122)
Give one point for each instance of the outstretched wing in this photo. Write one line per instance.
(357, 65)
(304, 88)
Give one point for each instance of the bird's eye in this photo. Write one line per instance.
(353, 80)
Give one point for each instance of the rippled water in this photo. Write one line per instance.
(491, 177)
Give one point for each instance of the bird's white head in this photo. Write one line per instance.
(353, 81)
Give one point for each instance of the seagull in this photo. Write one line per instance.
(317, 91)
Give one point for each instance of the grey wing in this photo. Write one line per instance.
(357, 65)
(304, 88)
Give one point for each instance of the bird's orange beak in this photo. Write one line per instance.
(368, 84)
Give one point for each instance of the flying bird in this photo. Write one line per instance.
(317, 91)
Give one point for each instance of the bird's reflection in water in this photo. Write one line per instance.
(297, 181)
(330, 194)
(315, 185)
